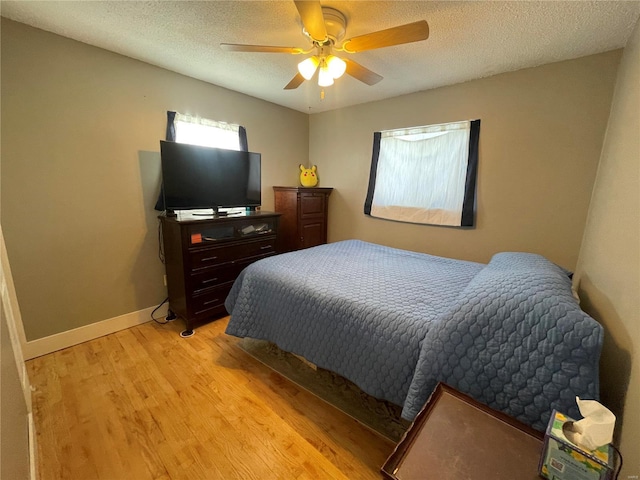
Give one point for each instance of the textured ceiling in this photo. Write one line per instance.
(467, 40)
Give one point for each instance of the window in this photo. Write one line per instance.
(425, 174)
(205, 132)
(202, 131)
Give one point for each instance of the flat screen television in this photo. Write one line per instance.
(195, 177)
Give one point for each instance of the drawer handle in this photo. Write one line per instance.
(266, 247)
(202, 311)
(210, 280)
(208, 259)
(211, 301)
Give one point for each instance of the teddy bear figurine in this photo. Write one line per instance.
(308, 177)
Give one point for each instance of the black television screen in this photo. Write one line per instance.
(204, 177)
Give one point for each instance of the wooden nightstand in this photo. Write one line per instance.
(456, 437)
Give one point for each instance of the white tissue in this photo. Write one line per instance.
(596, 428)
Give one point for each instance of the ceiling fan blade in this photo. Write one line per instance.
(312, 19)
(411, 32)
(295, 82)
(234, 47)
(361, 73)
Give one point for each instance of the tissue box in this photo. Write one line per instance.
(564, 460)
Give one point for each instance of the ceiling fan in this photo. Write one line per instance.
(325, 27)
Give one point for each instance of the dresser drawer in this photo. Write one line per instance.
(214, 276)
(312, 204)
(211, 257)
(206, 303)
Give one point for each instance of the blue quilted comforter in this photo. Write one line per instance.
(395, 322)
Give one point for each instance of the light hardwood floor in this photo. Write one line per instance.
(144, 403)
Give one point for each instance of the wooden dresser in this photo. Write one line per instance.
(304, 216)
(204, 256)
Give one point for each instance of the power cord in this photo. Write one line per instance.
(160, 243)
(620, 457)
(170, 315)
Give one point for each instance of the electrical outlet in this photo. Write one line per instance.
(164, 279)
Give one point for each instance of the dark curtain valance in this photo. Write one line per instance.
(469, 204)
(170, 136)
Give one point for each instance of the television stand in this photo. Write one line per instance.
(212, 214)
(204, 256)
(221, 213)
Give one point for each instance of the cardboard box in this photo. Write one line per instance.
(564, 460)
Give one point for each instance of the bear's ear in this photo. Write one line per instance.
(313, 169)
(302, 167)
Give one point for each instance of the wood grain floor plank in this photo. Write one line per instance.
(328, 429)
(144, 403)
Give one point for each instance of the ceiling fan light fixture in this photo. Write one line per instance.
(308, 67)
(336, 66)
(325, 78)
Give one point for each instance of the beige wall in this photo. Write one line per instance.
(608, 272)
(540, 141)
(81, 172)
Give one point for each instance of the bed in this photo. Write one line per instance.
(508, 333)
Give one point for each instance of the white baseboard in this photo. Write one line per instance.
(52, 343)
(33, 450)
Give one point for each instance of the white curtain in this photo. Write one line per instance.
(207, 133)
(421, 174)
